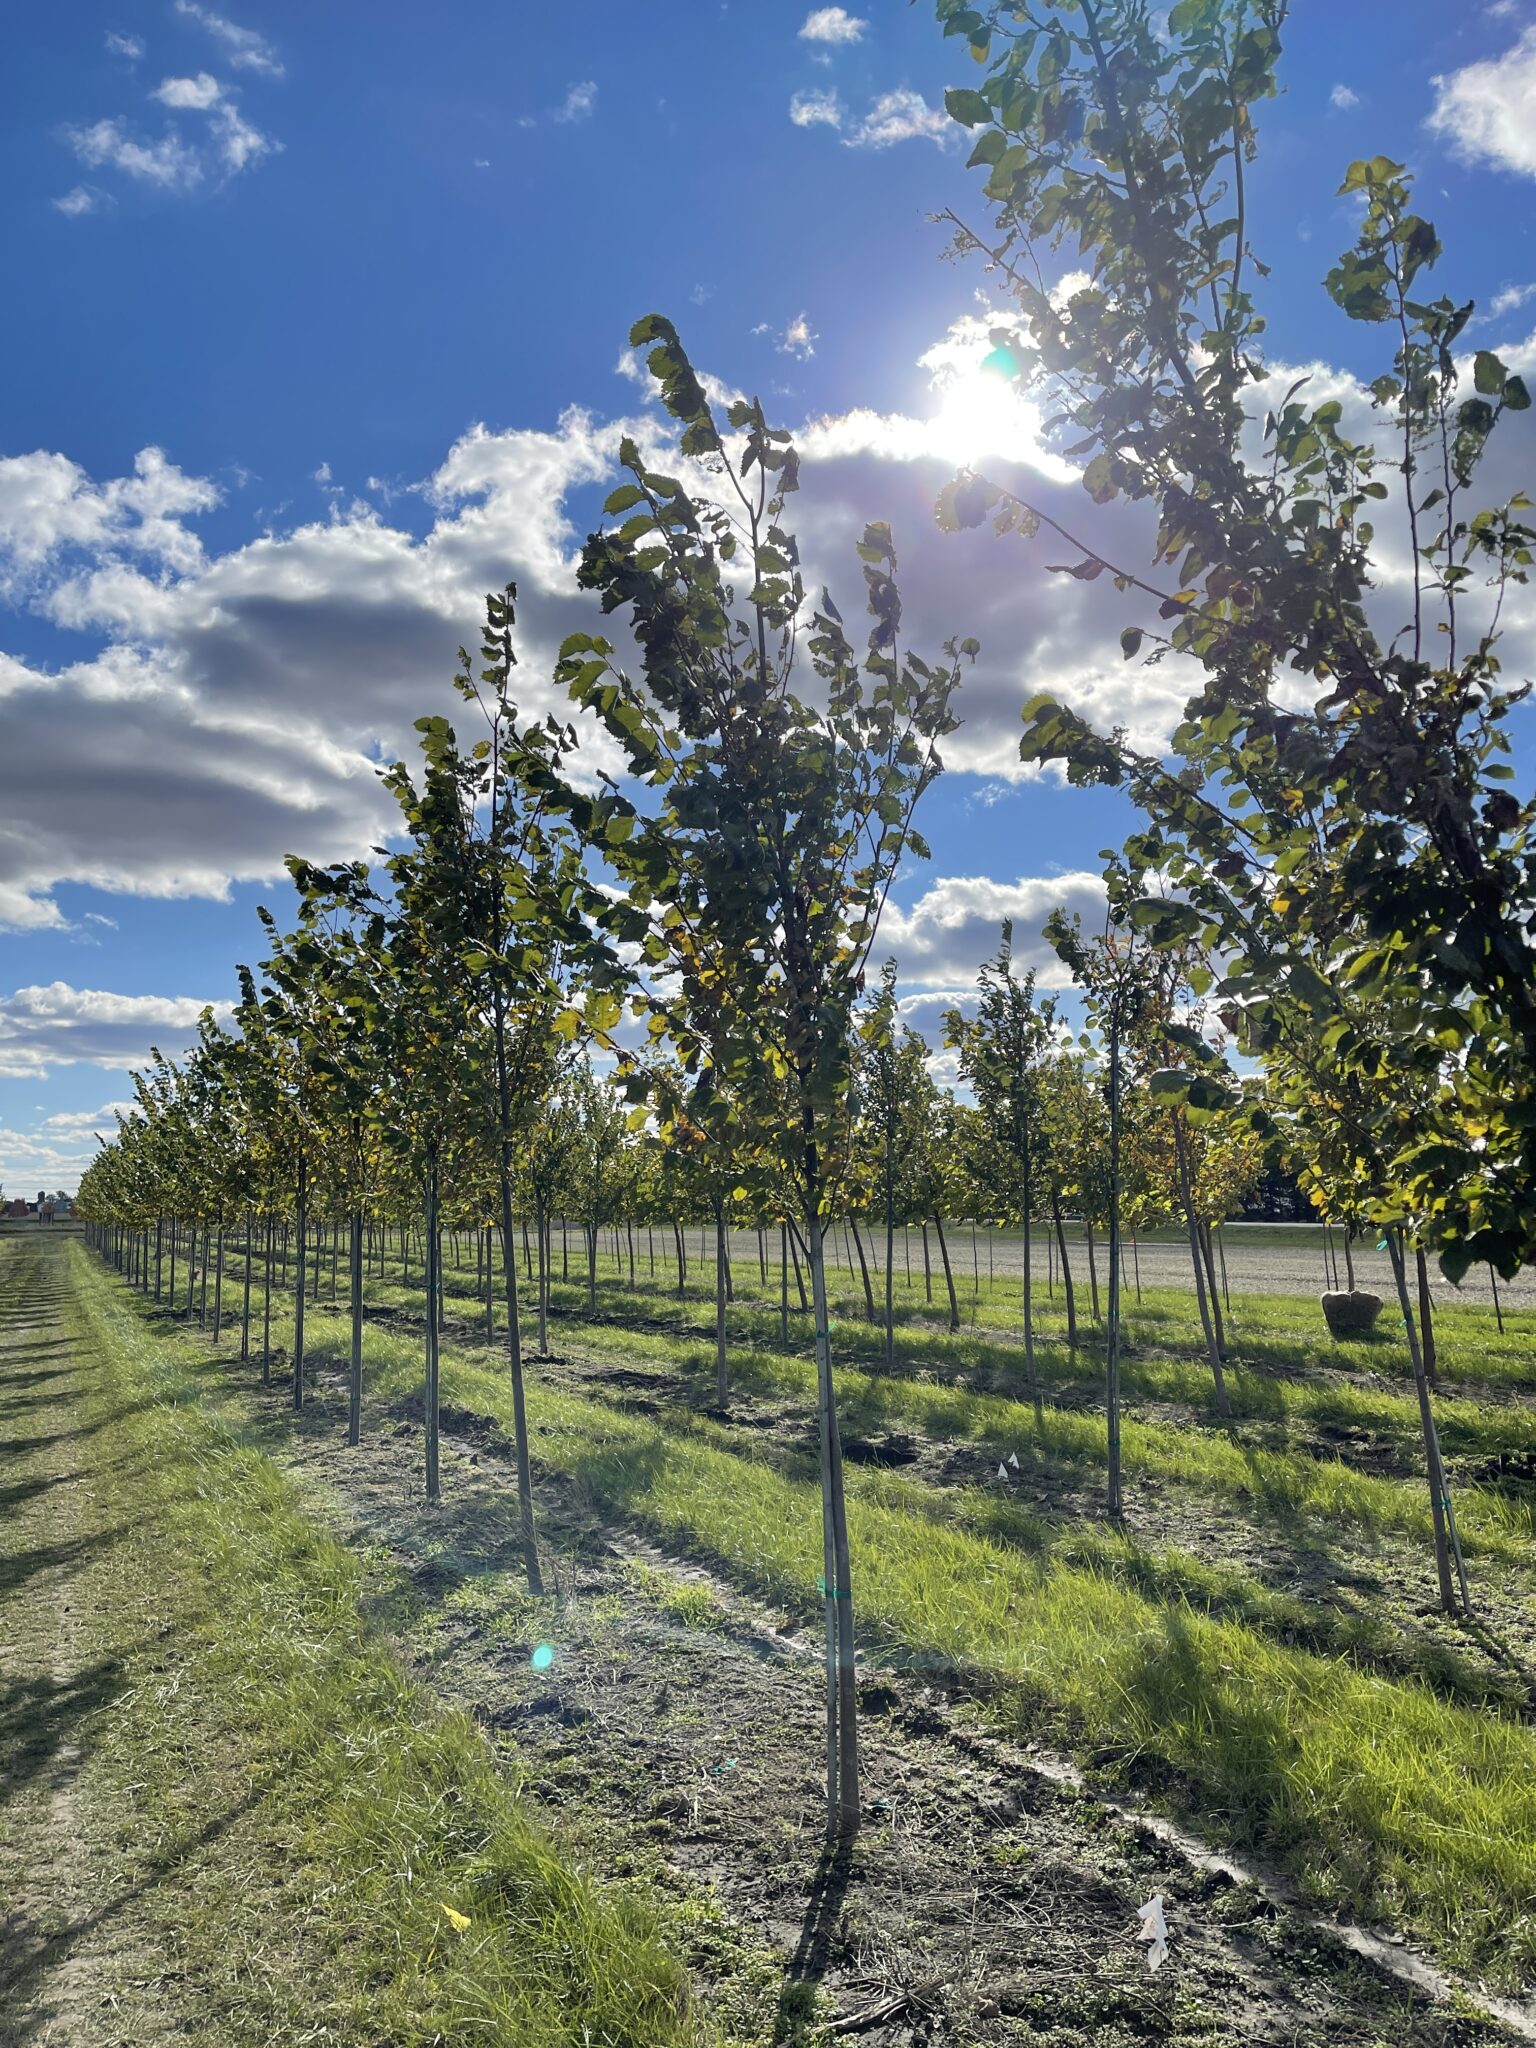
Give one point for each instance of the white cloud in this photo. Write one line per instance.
(199, 93)
(1342, 98)
(1509, 300)
(244, 48)
(901, 116)
(1483, 112)
(797, 339)
(49, 505)
(55, 1025)
(956, 924)
(168, 162)
(832, 25)
(82, 1122)
(80, 200)
(239, 144)
(129, 47)
(816, 109)
(578, 102)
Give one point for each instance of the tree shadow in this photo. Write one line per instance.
(41, 1718)
(813, 1951)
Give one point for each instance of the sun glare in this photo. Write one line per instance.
(981, 415)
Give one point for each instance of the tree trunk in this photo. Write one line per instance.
(543, 1224)
(591, 1234)
(433, 1260)
(927, 1268)
(1112, 1347)
(1349, 1256)
(1031, 1371)
(682, 1257)
(784, 1285)
(171, 1289)
(355, 1373)
(858, 1245)
(245, 1306)
(1498, 1313)
(218, 1285)
(890, 1249)
(160, 1252)
(949, 1276)
(842, 1677)
(1213, 1350)
(1426, 1318)
(1210, 1281)
(1066, 1273)
(266, 1313)
(509, 1269)
(488, 1282)
(722, 1390)
(202, 1292)
(1093, 1268)
(301, 1219)
(1442, 1514)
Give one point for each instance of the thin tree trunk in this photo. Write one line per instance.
(1031, 1370)
(858, 1245)
(1136, 1262)
(784, 1284)
(488, 1282)
(202, 1292)
(1426, 1318)
(159, 1252)
(218, 1285)
(433, 1261)
(245, 1306)
(1066, 1273)
(301, 1218)
(1493, 1282)
(591, 1269)
(266, 1313)
(1210, 1281)
(1112, 1347)
(1093, 1267)
(355, 1373)
(682, 1260)
(171, 1289)
(1213, 1351)
(1349, 1256)
(842, 1686)
(514, 1332)
(927, 1267)
(722, 1390)
(1442, 1514)
(949, 1277)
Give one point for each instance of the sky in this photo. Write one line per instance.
(317, 332)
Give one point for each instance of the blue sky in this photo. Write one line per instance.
(362, 277)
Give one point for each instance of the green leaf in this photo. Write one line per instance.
(1130, 642)
(967, 106)
(1488, 373)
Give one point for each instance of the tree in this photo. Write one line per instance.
(1002, 1048)
(893, 1087)
(763, 835)
(1365, 838)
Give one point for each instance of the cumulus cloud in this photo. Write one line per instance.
(1483, 112)
(200, 92)
(578, 102)
(232, 706)
(166, 161)
(82, 199)
(956, 923)
(816, 109)
(243, 47)
(54, 1025)
(901, 116)
(832, 25)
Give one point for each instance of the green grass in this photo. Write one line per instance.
(1382, 1797)
(368, 1817)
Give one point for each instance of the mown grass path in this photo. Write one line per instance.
(225, 1815)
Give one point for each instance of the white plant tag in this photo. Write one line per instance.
(1154, 1929)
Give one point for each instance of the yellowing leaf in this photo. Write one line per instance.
(457, 1921)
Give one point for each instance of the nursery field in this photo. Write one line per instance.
(292, 1754)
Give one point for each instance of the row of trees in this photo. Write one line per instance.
(1329, 873)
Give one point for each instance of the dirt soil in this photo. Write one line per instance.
(674, 1729)
(79, 1967)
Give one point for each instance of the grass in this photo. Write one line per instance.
(1381, 1797)
(388, 1881)
(1339, 1740)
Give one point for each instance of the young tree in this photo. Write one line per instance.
(1363, 837)
(764, 832)
(1002, 1048)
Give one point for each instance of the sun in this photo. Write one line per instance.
(982, 415)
